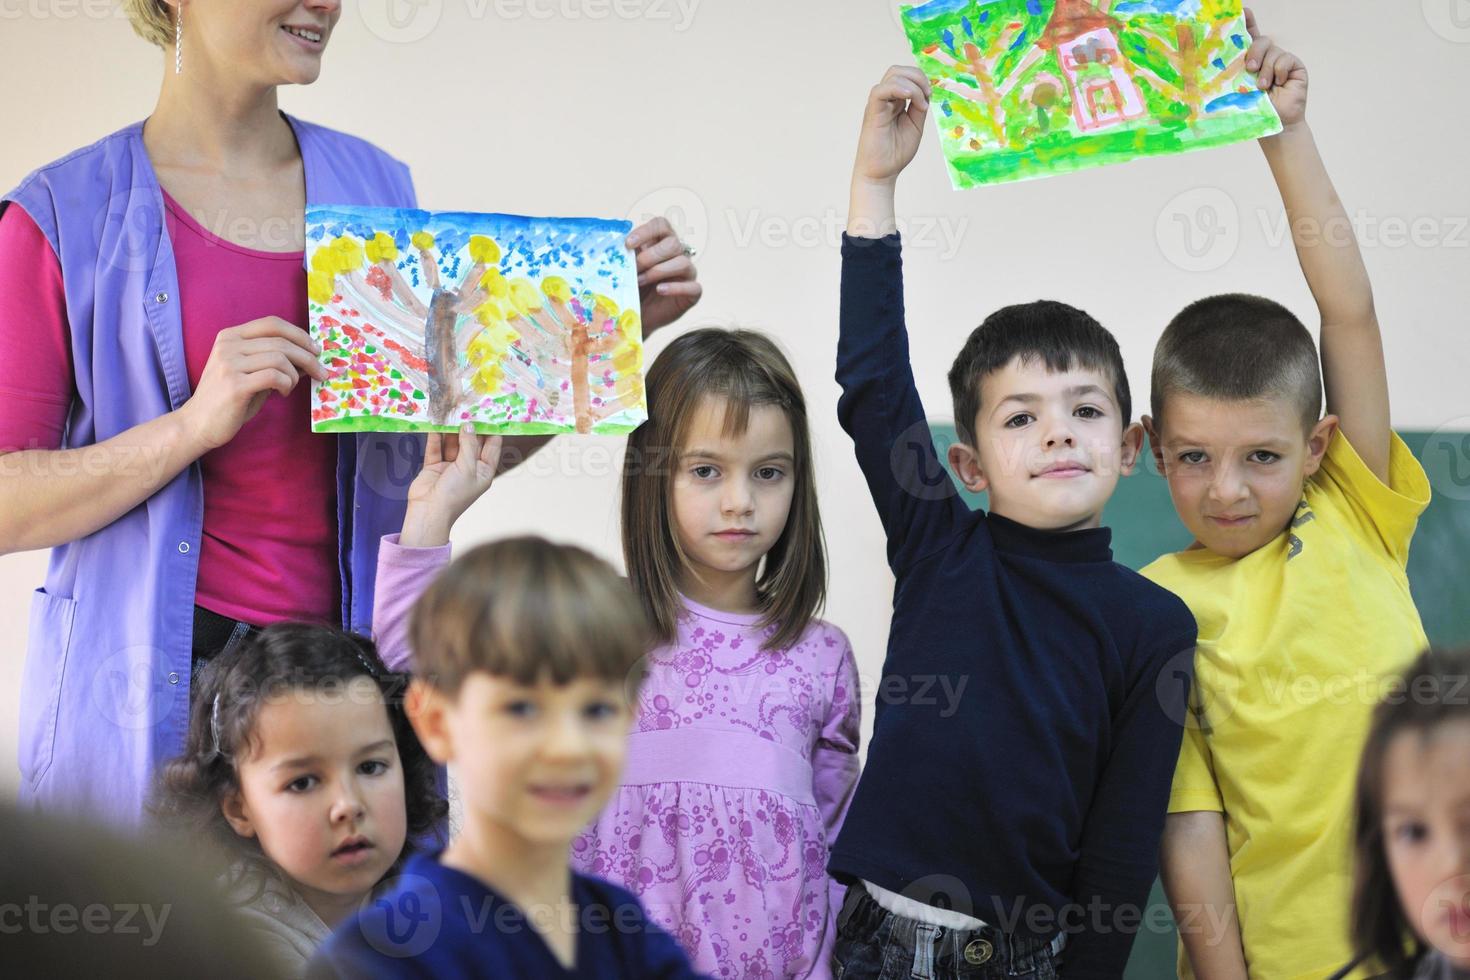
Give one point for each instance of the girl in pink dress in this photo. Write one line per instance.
(743, 753)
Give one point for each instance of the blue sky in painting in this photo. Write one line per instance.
(1179, 8)
(588, 252)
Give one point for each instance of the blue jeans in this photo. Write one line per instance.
(215, 636)
(875, 944)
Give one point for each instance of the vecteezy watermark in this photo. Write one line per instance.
(940, 691)
(406, 21)
(118, 462)
(40, 918)
(658, 684)
(677, 13)
(1199, 230)
(1096, 915)
(406, 918)
(938, 233)
(1446, 457)
(1368, 230)
(1450, 19)
(61, 10)
(1217, 695)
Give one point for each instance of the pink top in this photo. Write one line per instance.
(740, 767)
(269, 548)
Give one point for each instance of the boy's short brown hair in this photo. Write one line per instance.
(1238, 347)
(527, 609)
(1061, 337)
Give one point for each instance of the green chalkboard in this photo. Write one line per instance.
(1145, 526)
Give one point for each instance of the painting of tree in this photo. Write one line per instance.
(1186, 63)
(429, 319)
(1030, 88)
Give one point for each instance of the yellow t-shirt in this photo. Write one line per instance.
(1298, 641)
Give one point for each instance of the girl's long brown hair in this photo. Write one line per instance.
(742, 368)
(1435, 689)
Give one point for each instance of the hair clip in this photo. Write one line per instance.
(214, 726)
(362, 658)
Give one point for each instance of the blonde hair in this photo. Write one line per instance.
(152, 20)
(526, 609)
(742, 368)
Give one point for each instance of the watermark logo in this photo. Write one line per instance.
(405, 919)
(915, 463)
(1450, 19)
(682, 208)
(401, 21)
(1199, 230)
(1446, 457)
(131, 691)
(389, 463)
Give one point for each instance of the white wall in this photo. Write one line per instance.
(741, 115)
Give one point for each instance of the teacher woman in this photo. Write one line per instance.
(156, 435)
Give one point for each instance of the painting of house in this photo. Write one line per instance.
(1032, 88)
(1084, 38)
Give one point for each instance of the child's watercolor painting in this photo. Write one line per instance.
(428, 320)
(1031, 88)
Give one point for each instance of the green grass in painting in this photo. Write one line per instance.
(1078, 153)
(380, 423)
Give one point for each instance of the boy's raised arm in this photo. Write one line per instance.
(1353, 369)
(893, 126)
(880, 406)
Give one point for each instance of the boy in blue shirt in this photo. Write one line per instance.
(521, 651)
(1023, 816)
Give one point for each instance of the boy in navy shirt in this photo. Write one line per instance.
(1021, 816)
(521, 651)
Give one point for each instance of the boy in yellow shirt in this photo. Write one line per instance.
(1297, 580)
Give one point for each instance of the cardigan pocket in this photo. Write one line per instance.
(46, 650)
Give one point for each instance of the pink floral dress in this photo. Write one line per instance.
(740, 767)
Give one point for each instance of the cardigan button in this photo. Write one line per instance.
(161, 298)
(173, 677)
(183, 547)
(978, 951)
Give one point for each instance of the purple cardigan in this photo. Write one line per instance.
(105, 692)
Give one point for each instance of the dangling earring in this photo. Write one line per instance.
(178, 38)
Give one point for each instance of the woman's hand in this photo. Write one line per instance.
(458, 469)
(246, 364)
(667, 279)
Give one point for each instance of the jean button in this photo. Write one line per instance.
(978, 951)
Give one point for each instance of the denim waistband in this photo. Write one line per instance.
(215, 634)
(945, 950)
